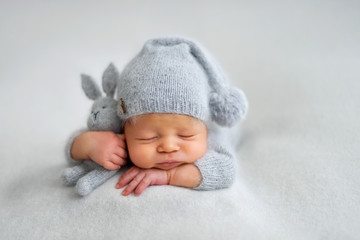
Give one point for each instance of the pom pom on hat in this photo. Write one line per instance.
(228, 108)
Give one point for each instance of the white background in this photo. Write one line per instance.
(297, 61)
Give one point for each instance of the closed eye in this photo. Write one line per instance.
(186, 136)
(147, 139)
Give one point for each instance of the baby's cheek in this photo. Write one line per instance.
(198, 150)
(141, 157)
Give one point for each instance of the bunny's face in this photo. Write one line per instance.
(103, 116)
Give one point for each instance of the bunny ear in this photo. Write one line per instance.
(109, 80)
(90, 88)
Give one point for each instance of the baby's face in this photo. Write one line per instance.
(165, 141)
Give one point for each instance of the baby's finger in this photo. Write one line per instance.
(117, 160)
(121, 153)
(121, 142)
(110, 165)
(142, 186)
(127, 177)
(133, 184)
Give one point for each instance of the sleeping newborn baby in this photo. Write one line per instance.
(175, 103)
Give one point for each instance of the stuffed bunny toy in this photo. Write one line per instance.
(88, 175)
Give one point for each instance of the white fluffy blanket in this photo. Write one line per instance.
(299, 159)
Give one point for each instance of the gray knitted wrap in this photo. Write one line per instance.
(176, 75)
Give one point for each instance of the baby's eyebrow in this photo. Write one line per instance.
(188, 130)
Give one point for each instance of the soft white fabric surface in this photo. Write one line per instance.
(299, 157)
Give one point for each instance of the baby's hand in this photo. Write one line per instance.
(107, 149)
(138, 179)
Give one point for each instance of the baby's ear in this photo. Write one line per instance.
(109, 80)
(90, 88)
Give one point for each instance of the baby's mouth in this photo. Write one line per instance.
(169, 164)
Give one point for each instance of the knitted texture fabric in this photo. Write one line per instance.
(176, 75)
(88, 175)
(217, 167)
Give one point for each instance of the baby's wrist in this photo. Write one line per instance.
(170, 176)
(187, 175)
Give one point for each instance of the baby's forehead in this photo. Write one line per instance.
(163, 120)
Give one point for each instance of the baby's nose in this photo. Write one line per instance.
(167, 145)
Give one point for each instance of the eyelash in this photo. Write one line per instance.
(186, 136)
(154, 138)
(147, 139)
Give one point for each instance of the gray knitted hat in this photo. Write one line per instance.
(176, 75)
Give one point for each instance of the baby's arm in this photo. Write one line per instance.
(217, 167)
(215, 170)
(105, 148)
(138, 179)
